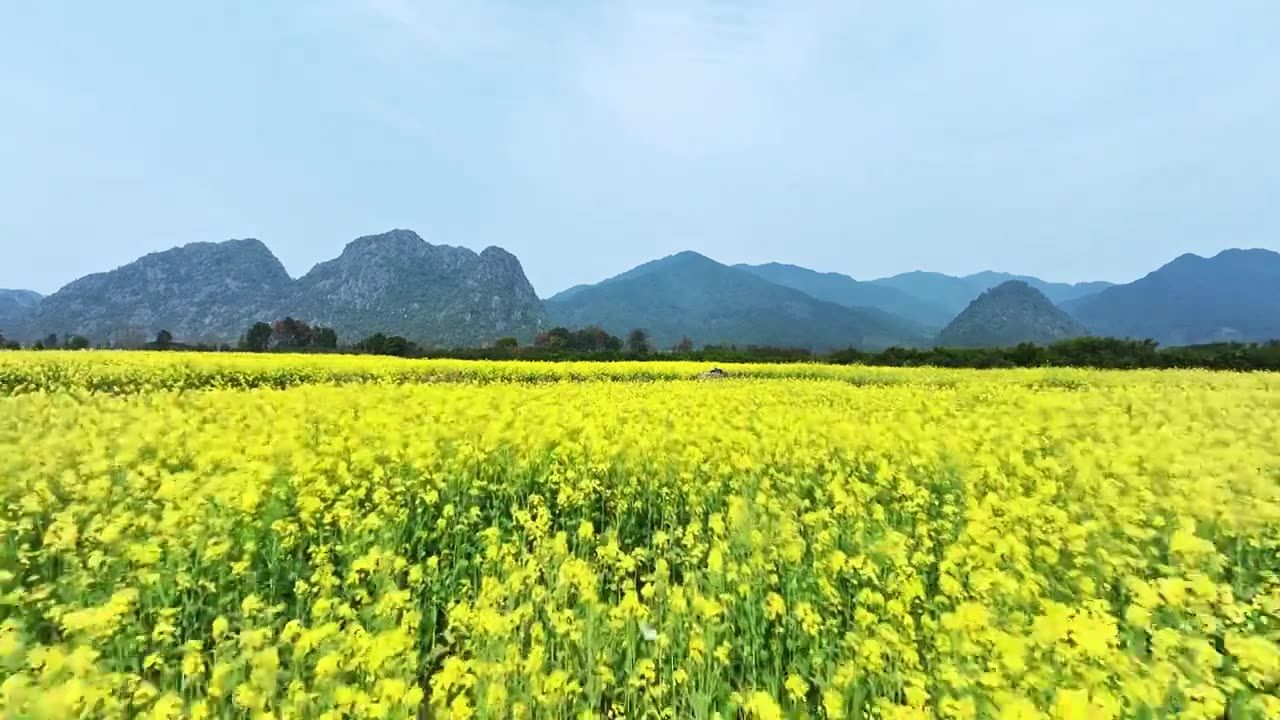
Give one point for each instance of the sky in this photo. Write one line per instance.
(1075, 141)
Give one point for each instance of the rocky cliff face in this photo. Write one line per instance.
(1008, 314)
(397, 283)
(394, 283)
(199, 292)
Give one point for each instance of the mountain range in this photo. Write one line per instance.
(926, 311)
(953, 294)
(397, 283)
(1234, 295)
(691, 295)
(201, 291)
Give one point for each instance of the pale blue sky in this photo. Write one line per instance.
(1077, 140)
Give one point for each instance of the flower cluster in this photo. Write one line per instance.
(796, 541)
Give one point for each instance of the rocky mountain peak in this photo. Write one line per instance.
(1010, 313)
(396, 282)
(393, 241)
(201, 291)
(1016, 289)
(393, 282)
(496, 255)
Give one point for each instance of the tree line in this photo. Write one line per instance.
(594, 343)
(48, 342)
(1091, 352)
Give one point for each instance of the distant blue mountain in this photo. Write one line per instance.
(1234, 295)
(15, 305)
(691, 295)
(955, 293)
(1058, 293)
(950, 293)
(844, 290)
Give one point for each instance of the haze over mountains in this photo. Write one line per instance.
(834, 287)
(397, 283)
(691, 295)
(1234, 295)
(954, 294)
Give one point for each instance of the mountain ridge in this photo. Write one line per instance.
(15, 305)
(1057, 292)
(954, 293)
(19, 296)
(206, 291)
(844, 290)
(1233, 295)
(689, 294)
(211, 292)
(947, 291)
(396, 282)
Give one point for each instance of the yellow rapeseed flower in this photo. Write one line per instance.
(296, 536)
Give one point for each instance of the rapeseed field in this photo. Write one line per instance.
(189, 536)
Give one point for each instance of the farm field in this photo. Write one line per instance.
(212, 536)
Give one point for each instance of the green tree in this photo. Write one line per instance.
(77, 342)
(324, 337)
(556, 338)
(164, 340)
(1027, 355)
(593, 339)
(507, 343)
(258, 339)
(291, 333)
(638, 342)
(399, 346)
(375, 343)
(685, 345)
